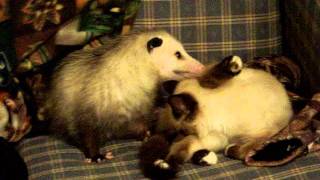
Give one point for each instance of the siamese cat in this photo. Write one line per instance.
(229, 104)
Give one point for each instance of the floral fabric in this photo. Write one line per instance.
(36, 32)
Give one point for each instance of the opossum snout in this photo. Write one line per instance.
(198, 68)
(194, 68)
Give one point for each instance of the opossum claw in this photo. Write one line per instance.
(96, 159)
(147, 136)
(88, 160)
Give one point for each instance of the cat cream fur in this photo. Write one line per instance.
(229, 104)
(252, 104)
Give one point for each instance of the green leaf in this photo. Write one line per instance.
(132, 8)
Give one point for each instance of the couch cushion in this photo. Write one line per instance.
(213, 29)
(301, 30)
(48, 158)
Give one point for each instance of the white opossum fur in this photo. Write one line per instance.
(228, 104)
(108, 92)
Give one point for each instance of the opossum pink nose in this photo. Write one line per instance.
(197, 68)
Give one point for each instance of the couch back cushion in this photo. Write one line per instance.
(301, 27)
(213, 29)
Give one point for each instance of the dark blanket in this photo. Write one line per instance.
(12, 165)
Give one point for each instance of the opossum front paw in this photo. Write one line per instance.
(96, 159)
(109, 155)
(147, 136)
(204, 157)
(162, 164)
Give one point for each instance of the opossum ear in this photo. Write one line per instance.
(153, 43)
(183, 105)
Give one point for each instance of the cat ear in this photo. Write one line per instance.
(182, 105)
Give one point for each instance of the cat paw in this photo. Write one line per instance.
(162, 164)
(235, 65)
(204, 157)
(210, 158)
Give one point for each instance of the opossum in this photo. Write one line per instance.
(108, 93)
(229, 104)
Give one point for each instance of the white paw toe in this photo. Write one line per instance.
(210, 159)
(88, 160)
(162, 164)
(236, 64)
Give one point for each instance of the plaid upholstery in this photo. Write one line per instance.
(213, 29)
(301, 30)
(209, 29)
(47, 158)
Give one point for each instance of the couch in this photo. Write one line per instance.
(209, 30)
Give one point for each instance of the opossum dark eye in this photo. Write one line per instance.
(153, 43)
(178, 55)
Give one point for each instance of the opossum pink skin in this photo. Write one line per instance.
(109, 92)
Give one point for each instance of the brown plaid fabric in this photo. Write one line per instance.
(213, 29)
